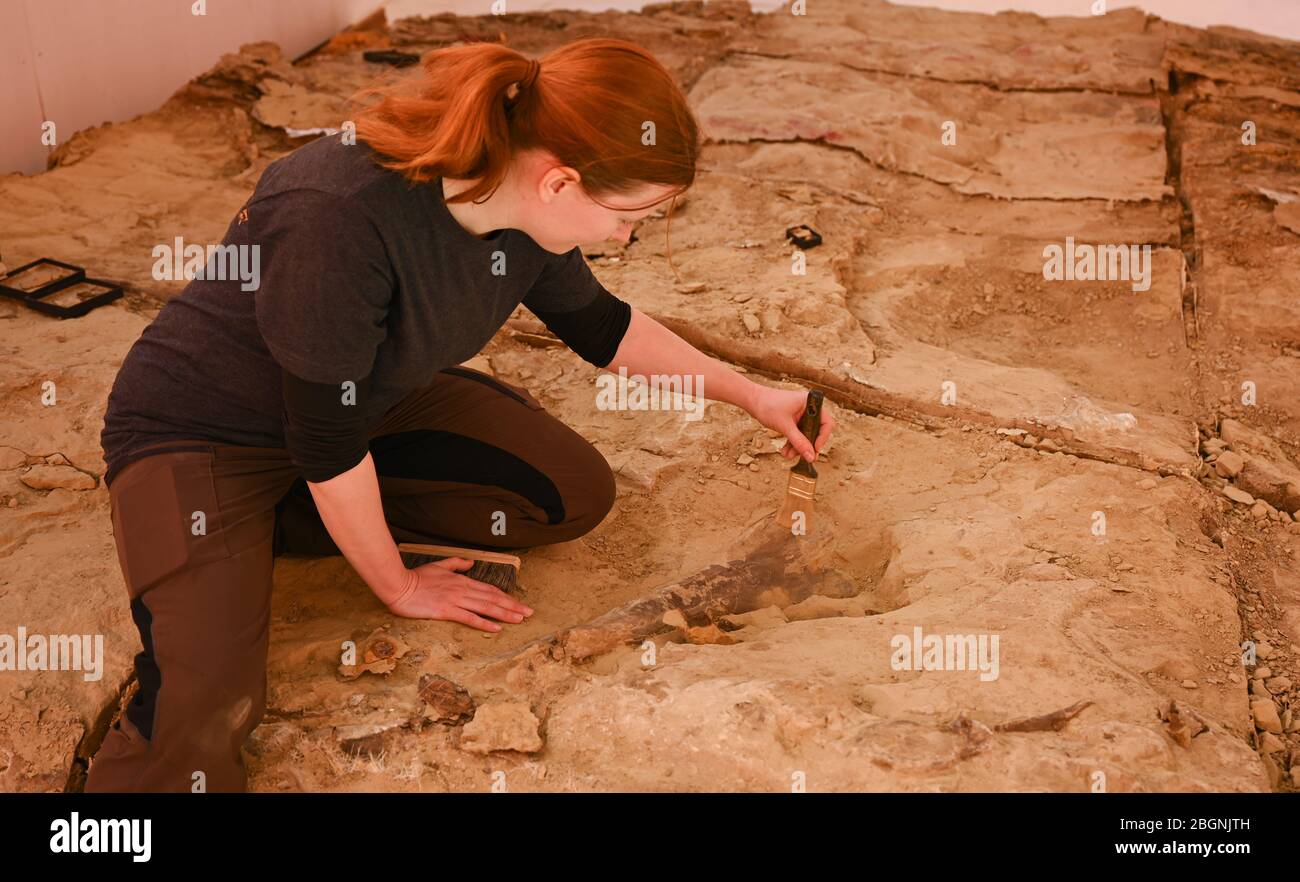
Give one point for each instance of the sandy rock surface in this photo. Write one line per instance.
(1070, 467)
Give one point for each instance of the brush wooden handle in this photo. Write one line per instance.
(467, 553)
(810, 423)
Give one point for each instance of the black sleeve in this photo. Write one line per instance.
(326, 427)
(593, 331)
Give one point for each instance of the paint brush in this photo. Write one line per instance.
(491, 567)
(797, 512)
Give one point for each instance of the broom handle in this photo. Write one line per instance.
(453, 551)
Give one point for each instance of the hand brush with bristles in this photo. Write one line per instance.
(800, 491)
(491, 567)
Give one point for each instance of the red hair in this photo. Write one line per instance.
(593, 104)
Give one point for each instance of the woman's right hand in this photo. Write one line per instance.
(438, 591)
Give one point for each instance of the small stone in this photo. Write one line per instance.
(502, 726)
(751, 322)
(1229, 464)
(1278, 685)
(1237, 495)
(50, 477)
(1270, 743)
(1263, 650)
(744, 459)
(1265, 714)
(1259, 511)
(1189, 684)
(447, 701)
(1148, 484)
(1261, 673)
(639, 469)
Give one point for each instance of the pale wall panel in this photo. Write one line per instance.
(82, 63)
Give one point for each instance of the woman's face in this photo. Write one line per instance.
(563, 215)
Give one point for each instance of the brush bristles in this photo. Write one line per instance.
(800, 495)
(499, 575)
(785, 519)
(503, 576)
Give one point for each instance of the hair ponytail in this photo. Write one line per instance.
(603, 106)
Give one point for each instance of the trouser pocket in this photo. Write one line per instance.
(518, 393)
(166, 517)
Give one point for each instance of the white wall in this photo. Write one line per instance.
(80, 63)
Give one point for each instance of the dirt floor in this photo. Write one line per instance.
(1048, 462)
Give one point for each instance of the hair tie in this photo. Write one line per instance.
(514, 90)
(530, 76)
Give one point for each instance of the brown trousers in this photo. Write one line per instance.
(448, 457)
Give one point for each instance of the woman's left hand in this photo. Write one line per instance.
(780, 409)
